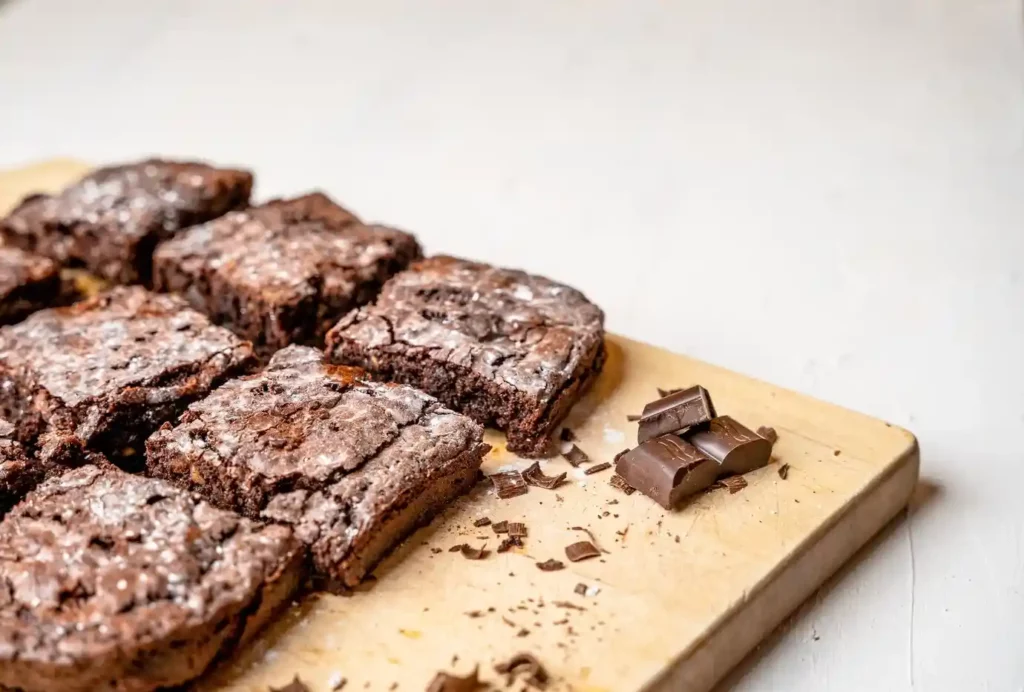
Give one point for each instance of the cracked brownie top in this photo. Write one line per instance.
(526, 331)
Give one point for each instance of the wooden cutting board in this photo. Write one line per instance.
(677, 599)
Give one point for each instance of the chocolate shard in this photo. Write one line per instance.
(734, 484)
(550, 565)
(619, 483)
(598, 468)
(534, 476)
(516, 529)
(446, 682)
(296, 685)
(500, 526)
(784, 471)
(768, 433)
(526, 666)
(509, 484)
(482, 521)
(582, 550)
(471, 553)
(580, 590)
(509, 543)
(736, 448)
(667, 469)
(676, 413)
(576, 456)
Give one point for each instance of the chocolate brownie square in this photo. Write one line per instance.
(283, 272)
(509, 349)
(110, 220)
(353, 465)
(111, 369)
(27, 283)
(111, 582)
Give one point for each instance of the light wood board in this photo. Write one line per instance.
(680, 596)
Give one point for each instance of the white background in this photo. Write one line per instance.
(825, 194)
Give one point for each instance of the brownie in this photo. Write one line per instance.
(111, 369)
(354, 465)
(28, 283)
(119, 583)
(283, 272)
(510, 349)
(110, 220)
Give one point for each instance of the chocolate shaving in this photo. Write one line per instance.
(509, 484)
(446, 682)
(784, 471)
(483, 521)
(526, 666)
(296, 685)
(590, 535)
(619, 483)
(500, 526)
(517, 529)
(768, 433)
(582, 550)
(734, 484)
(576, 456)
(509, 543)
(568, 435)
(534, 476)
(580, 590)
(632, 417)
(457, 548)
(550, 565)
(471, 553)
(597, 469)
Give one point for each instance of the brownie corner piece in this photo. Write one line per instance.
(352, 464)
(508, 348)
(28, 282)
(110, 220)
(111, 369)
(150, 586)
(282, 272)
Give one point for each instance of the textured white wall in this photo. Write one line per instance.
(828, 195)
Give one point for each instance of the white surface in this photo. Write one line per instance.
(835, 188)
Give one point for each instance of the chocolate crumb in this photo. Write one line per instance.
(446, 682)
(632, 417)
(580, 590)
(550, 565)
(576, 456)
(508, 622)
(394, 686)
(534, 476)
(619, 483)
(435, 551)
(677, 539)
(340, 684)
(523, 633)
(768, 433)
(582, 550)
(500, 526)
(509, 484)
(734, 484)
(475, 614)
(567, 604)
(517, 529)
(836, 453)
(471, 553)
(784, 471)
(525, 665)
(568, 435)
(296, 685)
(598, 468)
(563, 621)
(483, 521)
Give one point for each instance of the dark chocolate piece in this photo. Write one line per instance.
(500, 526)
(534, 476)
(590, 535)
(296, 685)
(597, 469)
(483, 521)
(446, 682)
(339, 685)
(676, 413)
(576, 456)
(580, 590)
(768, 433)
(582, 550)
(509, 484)
(471, 553)
(527, 666)
(550, 565)
(509, 543)
(734, 484)
(619, 483)
(517, 529)
(736, 448)
(784, 471)
(667, 469)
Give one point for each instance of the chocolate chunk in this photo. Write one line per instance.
(509, 543)
(534, 476)
(526, 666)
(446, 682)
(576, 456)
(736, 448)
(567, 435)
(590, 535)
(676, 413)
(483, 521)
(500, 527)
(619, 483)
(516, 530)
(768, 433)
(471, 553)
(734, 484)
(581, 551)
(784, 471)
(509, 484)
(296, 685)
(667, 469)
(597, 469)
(580, 590)
(550, 565)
